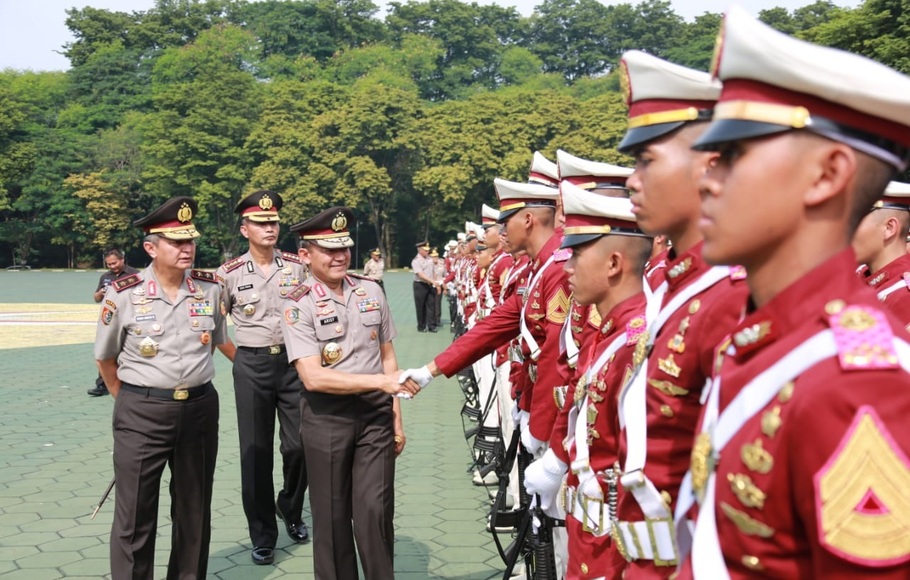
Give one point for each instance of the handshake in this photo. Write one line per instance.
(420, 377)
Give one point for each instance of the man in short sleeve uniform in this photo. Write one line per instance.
(154, 349)
(255, 285)
(338, 330)
(424, 288)
(800, 465)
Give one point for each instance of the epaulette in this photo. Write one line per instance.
(562, 255)
(121, 284)
(634, 329)
(289, 257)
(360, 277)
(737, 273)
(299, 292)
(203, 275)
(863, 336)
(233, 264)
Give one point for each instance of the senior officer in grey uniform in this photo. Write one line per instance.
(154, 348)
(338, 330)
(254, 286)
(424, 288)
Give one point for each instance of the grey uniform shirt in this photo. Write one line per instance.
(423, 265)
(374, 269)
(344, 331)
(158, 343)
(255, 300)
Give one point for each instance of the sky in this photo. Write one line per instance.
(32, 32)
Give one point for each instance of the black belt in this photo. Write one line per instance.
(274, 349)
(169, 394)
(424, 283)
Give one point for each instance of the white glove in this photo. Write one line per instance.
(590, 486)
(530, 443)
(516, 414)
(544, 478)
(421, 376)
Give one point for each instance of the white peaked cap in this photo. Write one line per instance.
(590, 174)
(490, 216)
(543, 171)
(514, 195)
(590, 215)
(774, 83)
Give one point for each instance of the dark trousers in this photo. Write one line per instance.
(352, 493)
(425, 304)
(437, 309)
(150, 433)
(263, 385)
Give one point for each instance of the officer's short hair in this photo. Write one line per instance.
(113, 252)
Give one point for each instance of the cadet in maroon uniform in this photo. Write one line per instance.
(691, 309)
(880, 244)
(801, 463)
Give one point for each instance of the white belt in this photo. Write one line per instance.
(592, 512)
(652, 539)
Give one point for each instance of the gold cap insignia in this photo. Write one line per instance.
(185, 213)
(265, 202)
(340, 222)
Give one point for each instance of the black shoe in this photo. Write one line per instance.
(262, 556)
(421, 329)
(434, 329)
(296, 531)
(97, 391)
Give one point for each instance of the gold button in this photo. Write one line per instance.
(665, 495)
(752, 562)
(584, 568)
(834, 307)
(666, 411)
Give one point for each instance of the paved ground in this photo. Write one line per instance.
(55, 458)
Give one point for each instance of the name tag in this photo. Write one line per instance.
(244, 287)
(146, 317)
(330, 320)
(203, 308)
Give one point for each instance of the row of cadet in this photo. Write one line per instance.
(679, 369)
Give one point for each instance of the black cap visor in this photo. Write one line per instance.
(724, 131)
(639, 136)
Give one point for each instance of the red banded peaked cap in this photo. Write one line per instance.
(774, 83)
(514, 196)
(590, 215)
(173, 219)
(328, 229)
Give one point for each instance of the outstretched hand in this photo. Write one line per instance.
(396, 384)
(421, 376)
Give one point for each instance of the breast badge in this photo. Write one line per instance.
(148, 347)
(331, 353)
(249, 310)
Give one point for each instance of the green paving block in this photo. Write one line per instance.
(30, 539)
(32, 574)
(70, 544)
(48, 560)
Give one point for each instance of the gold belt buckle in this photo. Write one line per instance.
(275, 349)
(181, 395)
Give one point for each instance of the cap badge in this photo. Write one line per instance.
(625, 84)
(185, 213)
(340, 222)
(265, 202)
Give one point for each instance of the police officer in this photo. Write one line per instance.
(154, 346)
(254, 286)
(424, 289)
(116, 267)
(339, 332)
(803, 443)
(375, 267)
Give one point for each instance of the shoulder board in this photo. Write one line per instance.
(233, 264)
(562, 255)
(203, 275)
(299, 292)
(737, 273)
(634, 329)
(121, 284)
(289, 257)
(361, 277)
(863, 337)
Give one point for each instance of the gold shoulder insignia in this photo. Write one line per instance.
(558, 307)
(861, 496)
(289, 257)
(121, 284)
(233, 264)
(299, 292)
(203, 275)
